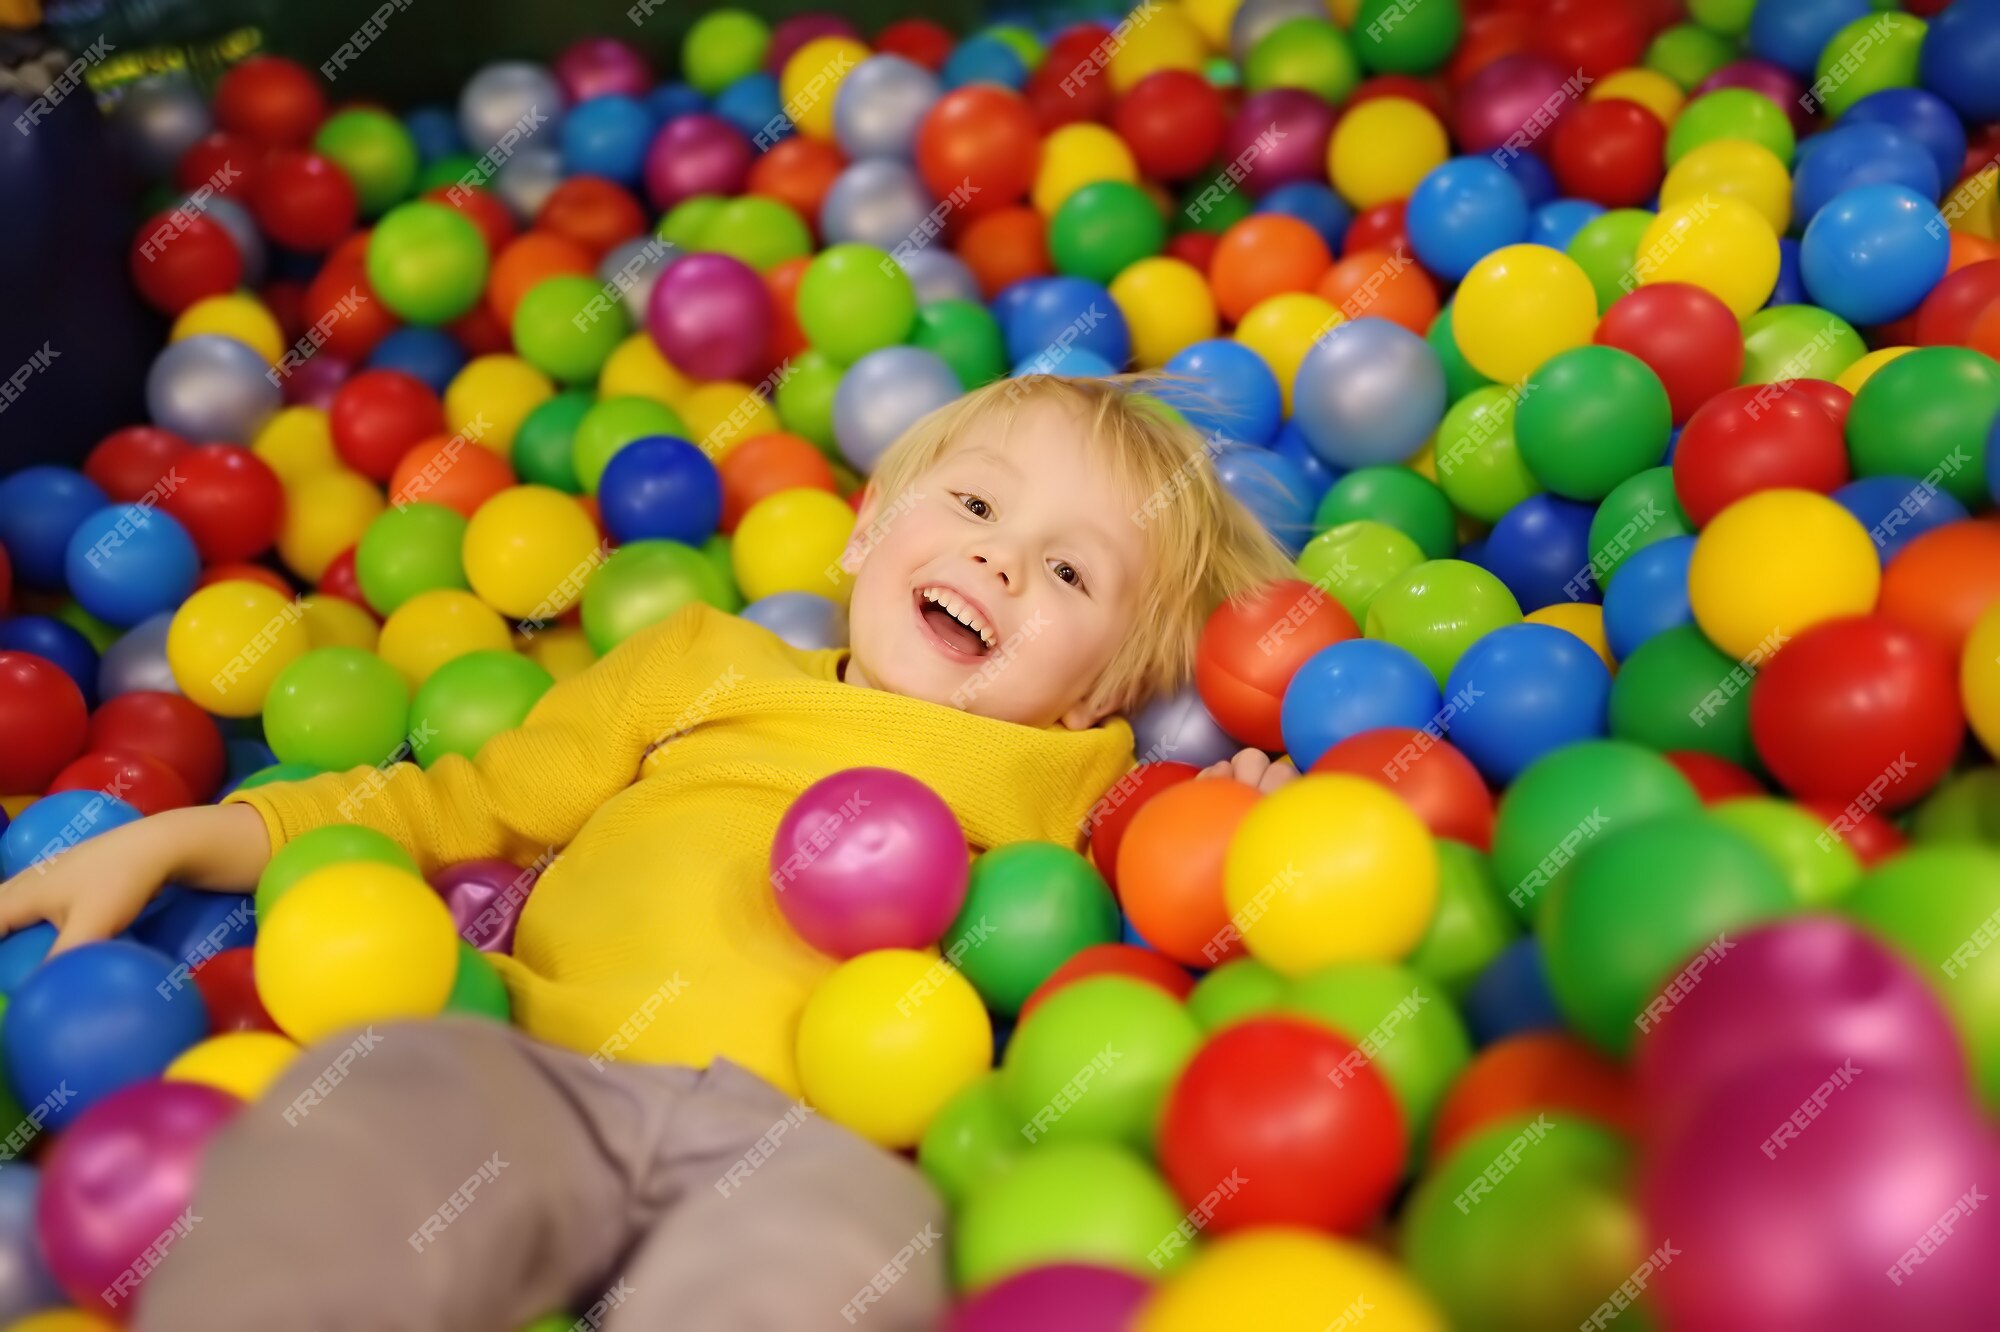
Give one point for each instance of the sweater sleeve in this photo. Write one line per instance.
(529, 790)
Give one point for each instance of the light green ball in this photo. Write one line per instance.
(563, 328)
(1077, 1202)
(337, 708)
(643, 583)
(1438, 610)
(472, 698)
(723, 46)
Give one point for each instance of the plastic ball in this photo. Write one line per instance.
(472, 698)
(661, 488)
(791, 542)
(1057, 1295)
(1874, 252)
(318, 848)
(166, 727)
(1812, 562)
(1233, 391)
(1590, 418)
(210, 387)
(1287, 622)
(1368, 392)
(884, 394)
(1034, 905)
(1926, 414)
(1524, 1074)
(527, 550)
(1685, 336)
(427, 263)
(1519, 306)
(336, 708)
(1533, 689)
(1170, 868)
(1287, 1278)
(1086, 1202)
(47, 826)
(1439, 609)
(1463, 212)
(241, 1063)
(229, 642)
(1154, 1038)
(1720, 244)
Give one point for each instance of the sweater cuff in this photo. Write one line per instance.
(285, 815)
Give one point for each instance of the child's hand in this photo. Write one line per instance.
(1253, 767)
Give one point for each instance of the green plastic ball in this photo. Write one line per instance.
(478, 990)
(1566, 800)
(1073, 1202)
(805, 401)
(1887, 56)
(1817, 865)
(1355, 561)
(1437, 610)
(1308, 53)
(375, 151)
(855, 299)
(278, 772)
(722, 46)
(1590, 418)
(1679, 691)
(1638, 905)
(1964, 808)
(427, 262)
(643, 583)
(716, 551)
(337, 708)
(1217, 213)
(1397, 37)
(1029, 908)
(1605, 248)
(1732, 113)
(470, 699)
(1479, 463)
(1405, 1025)
(408, 550)
(761, 232)
(1396, 496)
(1021, 41)
(1789, 342)
(333, 844)
(686, 223)
(966, 337)
(1244, 988)
(1471, 926)
(1640, 510)
(609, 425)
(1103, 228)
(1459, 376)
(1688, 53)
(451, 169)
(11, 1113)
(556, 332)
(1927, 413)
(545, 438)
(1094, 1061)
(1730, 18)
(972, 1139)
(100, 634)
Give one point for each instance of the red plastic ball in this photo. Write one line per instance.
(1173, 121)
(1430, 775)
(1611, 152)
(1831, 397)
(483, 210)
(983, 134)
(1684, 335)
(245, 573)
(340, 580)
(1113, 812)
(1859, 710)
(227, 983)
(180, 256)
(145, 783)
(167, 727)
(1870, 837)
(917, 40)
(1423, 92)
(1946, 316)
(341, 305)
(1714, 778)
(1751, 438)
(1113, 959)
(380, 415)
(1249, 651)
(1196, 249)
(1943, 581)
(595, 213)
(129, 462)
(304, 202)
(1591, 36)
(1004, 246)
(797, 172)
(270, 99)
(1056, 97)
(1528, 1074)
(228, 164)
(43, 722)
(1289, 1124)
(229, 500)
(1379, 228)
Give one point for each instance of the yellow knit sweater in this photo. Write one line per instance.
(660, 774)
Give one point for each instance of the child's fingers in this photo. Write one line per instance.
(1219, 768)
(1249, 766)
(20, 907)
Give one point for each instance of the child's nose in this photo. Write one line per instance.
(999, 571)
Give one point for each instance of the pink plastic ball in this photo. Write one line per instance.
(486, 897)
(794, 32)
(314, 383)
(869, 858)
(1775, 82)
(1506, 95)
(1296, 152)
(1067, 1297)
(119, 1180)
(710, 314)
(696, 154)
(602, 66)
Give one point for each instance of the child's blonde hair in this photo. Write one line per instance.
(1208, 548)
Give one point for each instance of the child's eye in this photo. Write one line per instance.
(976, 506)
(1068, 573)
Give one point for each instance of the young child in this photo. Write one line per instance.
(1032, 559)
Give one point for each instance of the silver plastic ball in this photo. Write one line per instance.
(235, 219)
(211, 388)
(529, 178)
(138, 660)
(879, 106)
(635, 266)
(159, 119)
(511, 97)
(806, 620)
(877, 202)
(1176, 728)
(885, 393)
(939, 275)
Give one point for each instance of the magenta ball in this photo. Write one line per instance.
(869, 858)
(1504, 96)
(485, 897)
(789, 36)
(601, 67)
(696, 154)
(710, 314)
(1296, 152)
(1068, 1297)
(1815, 987)
(118, 1180)
(1775, 82)
(1820, 1228)
(314, 383)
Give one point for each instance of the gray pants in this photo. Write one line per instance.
(453, 1175)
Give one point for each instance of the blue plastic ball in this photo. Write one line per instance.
(1873, 253)
(983, 59)
(1960, 53)
(50, 638)
(1534, 179)
(671, 100)
(1369, 392)
(57, 822)
(1649, 596)
(1062, 312)
(246, 757)
(40, 509)
(1272, 488)
(1316, 206)
(1512, 996)
(1532, 688)
(434, 129)
(661, 488)
(429, 354)
(1232, 394)
(607, 136)
(1897, 510)
(1073, 362)
(190, 926)
(1852, 155)
(752, 105)
(1556, 224)
(805, 620)
(1012, 299)
(22, 951)
(130, 561)
(1350, 687)
(94, 1020)
(1792, 33)
(1461, 212)
(1791, 288)
(1919, 115)
(1539, 546)
(1293, 446)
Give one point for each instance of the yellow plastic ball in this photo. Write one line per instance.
(1075, 156)
(1648, 87)
(887, 1039)
(242, 1063)
(1717, 243)
(811, 80)
(438, 626)
(233, 315)
(62, 1320)
(1211, 18)
(1424, 462)
(14, 804)
(295, 443)
(338, 622)
(528, 551)
(1735, 169)
(1284, 1280)
(1862, 370)
(562, 650)
(1776, 563)
(352, 944)
(1973, 206)
(1156, 37)
(1382, 148)
(1979, 679)
(325, 513)
(1329, 869)
(721, 414)
(791, 542)
(1518, 307)
(488, 399)
(1584, 619)
(228, 643)
(636, 369)
(1282, 329)
(1168, 306)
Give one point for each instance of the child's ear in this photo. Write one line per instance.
(1085, 715)
(858, 543)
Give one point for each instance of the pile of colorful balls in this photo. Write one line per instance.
(1622, 376)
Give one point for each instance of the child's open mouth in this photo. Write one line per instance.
(954, 622)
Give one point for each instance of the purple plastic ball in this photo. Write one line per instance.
(486, 897)
(602, 66)
(1296, 152)
(1502, 97)
(869, 858)
(696, 154)
(1065, 1297)
(314, 383)
(794, 32)
(1775, 82)
(120, 1179)
(710, 315)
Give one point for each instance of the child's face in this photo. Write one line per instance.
(1025, 532)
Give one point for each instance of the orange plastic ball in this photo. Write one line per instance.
(1249, 651)
(1005, 246)
(449, 470)
(526, 263)
(1942, 582)
(1170, 870)
(782, 281)
(1525, 1075)
(483, 209)
(766, 464)
(982, 134)
(797, 172)
(595, 213)
(245, 573)
(1380, 284)
(1261, 256)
